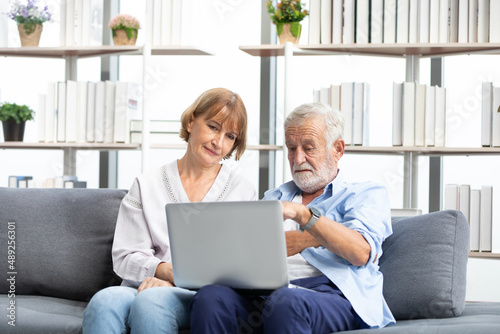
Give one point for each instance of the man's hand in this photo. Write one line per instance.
(153, 282)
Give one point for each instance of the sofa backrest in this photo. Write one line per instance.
(425, 264)
(62, 240)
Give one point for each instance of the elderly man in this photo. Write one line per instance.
(334, 234)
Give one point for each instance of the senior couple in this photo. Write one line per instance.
(334, 232)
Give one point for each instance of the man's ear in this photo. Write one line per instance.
(338, 148)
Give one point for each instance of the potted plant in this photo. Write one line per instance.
(29, 19)
(14, 117)
(287, 16)
(125, 29)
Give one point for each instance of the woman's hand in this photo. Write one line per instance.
(153, 282)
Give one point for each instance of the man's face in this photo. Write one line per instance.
(313, 165)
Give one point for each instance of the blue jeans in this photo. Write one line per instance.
(121, 309)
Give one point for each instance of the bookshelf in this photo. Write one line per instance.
(412, 53)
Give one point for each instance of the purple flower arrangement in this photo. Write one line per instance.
(29, 15)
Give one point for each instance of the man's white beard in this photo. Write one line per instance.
(312, 181)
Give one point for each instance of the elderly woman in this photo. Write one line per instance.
(148, 301)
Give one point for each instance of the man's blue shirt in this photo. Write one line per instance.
(363, 207)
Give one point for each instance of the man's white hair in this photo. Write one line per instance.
(334, 120)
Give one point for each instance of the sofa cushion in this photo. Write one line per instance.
(424, 265)
(63, 240)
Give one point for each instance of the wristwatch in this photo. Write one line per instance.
(314, 218)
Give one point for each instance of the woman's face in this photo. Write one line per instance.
(210, 140)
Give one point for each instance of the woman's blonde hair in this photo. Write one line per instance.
(224, 106)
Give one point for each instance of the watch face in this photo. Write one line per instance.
(315, 211)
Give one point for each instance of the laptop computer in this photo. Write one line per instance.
(237, 244)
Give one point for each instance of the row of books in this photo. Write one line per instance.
(477, 207)
(170, 17)
(351, 98)
(490, 114)
(65, 181)
(78, 111)
(81, 22)
(419, 115)
(403, 21)
(160, 132)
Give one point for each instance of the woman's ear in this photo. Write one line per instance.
(190, 124)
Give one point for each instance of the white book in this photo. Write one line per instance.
(126, 110)
(109, 111)
(324, 95)
(420, 91)
(423, 19)
(434, 21)
(346, 107)
(78, 22)
(157, 138)
(349, 22)
(397, 114)
(357, 113)
(453, 21)
(402, 21)
(463, 21)
(485, 218)
(430, 115)
(96, 23)
(444, 7)
(362, 21)
(86, 21)
(62, 23)
(390, 21)
(409, 114)
(451, 197)
(326, 21)
(176, 22)
(377, 22)
(473, 21)
(71, 110)
(464, 200)
(494, 21)
(413, 28)
(70, 22)
(486, 113)
(495, 117)
(475, 203)
(483, 21)
(157, 5)
(337, 21)
(91, 104)
(440, 117)
(187, 23)
(335, 97)
(314, 22)
(316, 95)
(61, 112)
(40, 117)
(166, 22)
(82, 112)
(51, 112)
(100, 107)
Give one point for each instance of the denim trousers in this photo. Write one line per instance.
(121, 309)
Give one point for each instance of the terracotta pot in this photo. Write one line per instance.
(29, 33)
(289, 32)
(120, 37)
(13, 131)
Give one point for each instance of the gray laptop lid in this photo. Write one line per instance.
(237, 244)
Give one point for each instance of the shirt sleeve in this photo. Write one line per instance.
(133, 251)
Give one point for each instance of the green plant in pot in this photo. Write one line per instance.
(14, 117)
(287, 16)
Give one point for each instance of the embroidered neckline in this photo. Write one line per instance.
(132, 201)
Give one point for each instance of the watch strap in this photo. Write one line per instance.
(315, 214)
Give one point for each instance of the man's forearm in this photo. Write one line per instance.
(296, 242)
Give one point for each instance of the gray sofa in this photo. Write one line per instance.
(62, 256)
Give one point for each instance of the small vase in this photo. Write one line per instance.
(289, 32)
(30, 33)
(13, 131)
(120, 37)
